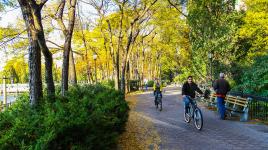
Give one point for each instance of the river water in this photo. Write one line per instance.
(10, 98)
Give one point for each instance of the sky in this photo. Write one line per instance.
(7, 18)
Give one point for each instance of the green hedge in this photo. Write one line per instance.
(87, 118)
(151, 83)
(254, 79)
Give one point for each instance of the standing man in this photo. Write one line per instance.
(188, 89)
(221, 87)
(146, 84)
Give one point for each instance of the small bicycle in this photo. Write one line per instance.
(194, 113)
(158, 101)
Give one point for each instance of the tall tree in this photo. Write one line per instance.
(68, 32)
(132, 33)
(31, 11)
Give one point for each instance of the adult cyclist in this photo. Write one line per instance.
(157, 90)
(188, 89)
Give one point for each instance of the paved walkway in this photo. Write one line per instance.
(217, 134)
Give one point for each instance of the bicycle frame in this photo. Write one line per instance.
(193, 110)
(193, 104)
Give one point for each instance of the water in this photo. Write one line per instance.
(10, 98)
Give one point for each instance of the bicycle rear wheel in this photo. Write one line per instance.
(160, 104)
(198, 119)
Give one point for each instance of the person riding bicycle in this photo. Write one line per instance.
(157, 89)
(188, 89)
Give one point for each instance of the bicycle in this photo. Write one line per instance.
(194, 113)
(158, 103)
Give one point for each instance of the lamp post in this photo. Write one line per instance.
(95, 58)
(210, 56)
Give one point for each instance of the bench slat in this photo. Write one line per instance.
(242, 101)
(236, 102)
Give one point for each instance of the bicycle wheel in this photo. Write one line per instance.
(198, 119)
(156, 103)
(187, 116)
(160, 104)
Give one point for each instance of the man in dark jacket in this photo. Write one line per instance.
(221, 87)
(188, 89)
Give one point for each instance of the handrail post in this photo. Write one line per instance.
(4, 92)
(17, 90)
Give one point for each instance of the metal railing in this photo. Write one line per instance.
(258, 106)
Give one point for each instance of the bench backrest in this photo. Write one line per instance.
(235, 100)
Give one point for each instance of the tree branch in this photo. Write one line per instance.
(43, 2)
(174, 5)
(54, 44)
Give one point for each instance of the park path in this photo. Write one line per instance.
(175, 134)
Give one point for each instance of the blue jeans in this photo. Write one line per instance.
(186, 101)
(221, 107)
(156, 94)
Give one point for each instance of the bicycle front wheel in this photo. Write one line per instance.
(198, 119)
(187, 116)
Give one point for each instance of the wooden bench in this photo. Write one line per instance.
(238, 105)
(212, 100)
(234, 105)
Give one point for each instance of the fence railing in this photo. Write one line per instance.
(258, 106)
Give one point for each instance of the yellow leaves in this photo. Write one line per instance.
(17, 67)
(140, 133)
(255, 28)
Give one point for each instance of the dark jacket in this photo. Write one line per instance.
(221, 87)
(190, 90)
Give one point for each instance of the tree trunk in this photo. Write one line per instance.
(67, 46)
(72, 72)
(123, 81)
(32, 17)
(115, 57)
(49, 74)
(48, 57)
(65, 65)
(128, 77)
(35, 80)
(131, 39)
(142, 67)
(120, 38)
(117, 72)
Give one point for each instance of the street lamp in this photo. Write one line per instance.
(210, 56)
(95, 58)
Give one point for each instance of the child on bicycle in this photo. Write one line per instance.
(157, 89)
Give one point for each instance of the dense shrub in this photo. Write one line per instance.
(151, 83)
(108, 83)
(89, 117)
(254, 79)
